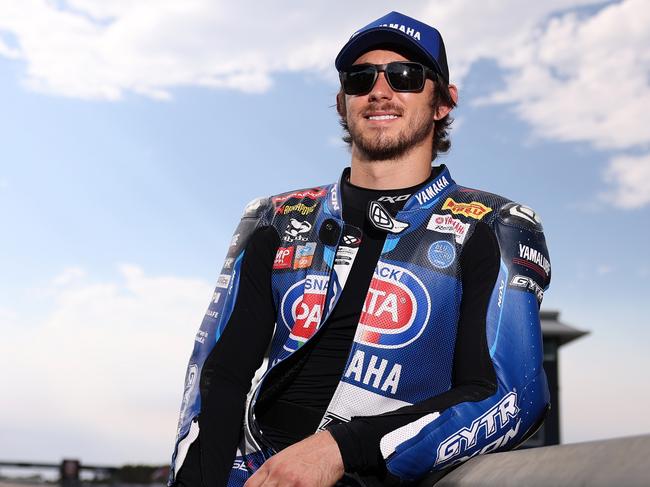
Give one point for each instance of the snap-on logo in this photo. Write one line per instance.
(396, 309)
(302, 307)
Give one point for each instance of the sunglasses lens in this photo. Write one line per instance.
(358, 79)
(405, 76)
(402, 76)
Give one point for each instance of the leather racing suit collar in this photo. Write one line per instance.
(422, 198)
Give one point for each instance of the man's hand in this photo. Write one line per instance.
(313, 462)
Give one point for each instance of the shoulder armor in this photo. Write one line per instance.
(255, 208)
(520, 216)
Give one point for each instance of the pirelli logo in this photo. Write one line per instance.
(474, 209)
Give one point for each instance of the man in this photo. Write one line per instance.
(398, 310)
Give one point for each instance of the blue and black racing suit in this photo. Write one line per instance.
(434, 358)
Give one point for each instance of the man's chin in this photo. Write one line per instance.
(382, 153)
(381, 150)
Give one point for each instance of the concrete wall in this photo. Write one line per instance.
(607, 463)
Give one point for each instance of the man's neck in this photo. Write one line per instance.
(404, 172)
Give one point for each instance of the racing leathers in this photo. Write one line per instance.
(403, 368)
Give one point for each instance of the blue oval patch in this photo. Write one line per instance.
(442, 253)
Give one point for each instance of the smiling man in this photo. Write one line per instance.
(398, 313)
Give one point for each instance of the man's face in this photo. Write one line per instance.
(385, 124)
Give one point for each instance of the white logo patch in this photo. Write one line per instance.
(449, 224)
(383, 220)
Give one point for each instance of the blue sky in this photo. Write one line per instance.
(128, 154)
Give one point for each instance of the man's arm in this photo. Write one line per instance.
(241, 336)
(231, 365)
(499, 390)
(473, 374)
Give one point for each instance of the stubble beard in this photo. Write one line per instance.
(379, 146)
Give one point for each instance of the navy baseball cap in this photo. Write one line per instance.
(396, 29)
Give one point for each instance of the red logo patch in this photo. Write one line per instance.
(389, 308)
(396, 309)
(307, 310)
(283, 258)
(311, 194)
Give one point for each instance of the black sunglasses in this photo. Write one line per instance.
(404, 76)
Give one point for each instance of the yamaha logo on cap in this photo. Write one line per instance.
(401, 31)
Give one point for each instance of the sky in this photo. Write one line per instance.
(132, 135)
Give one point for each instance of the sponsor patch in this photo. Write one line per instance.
(190, 379)
(383, 220)
(441, 254)
(492, 424)
(334, 198)
(301, 208)
(201, 335)
(431, 191)
(351, 240)
(302, 307)
(374, 372)
(396, 308)
(346, 253)
(449, 224)
(241, 465)
(234, 240)
(533, 259)
(223, 281)
(474, 209)
(304, 255)
(296, 231)
(312, 194)
(391, 200)
(529, 284)
(502, 285)
(407, 29)
(283, 258)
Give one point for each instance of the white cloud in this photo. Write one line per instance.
(8, 51)
(585, 79)
(106, 365)
(575, 70)
(630, 176)
(69, 275)
(103, 49)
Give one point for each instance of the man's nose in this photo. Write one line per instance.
(381, 89)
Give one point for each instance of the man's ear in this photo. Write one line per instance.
(443, 110)
(340, 104)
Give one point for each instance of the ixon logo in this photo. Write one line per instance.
(396, 309)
